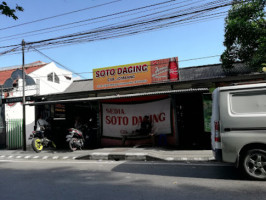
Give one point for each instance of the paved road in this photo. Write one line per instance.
(29, 179)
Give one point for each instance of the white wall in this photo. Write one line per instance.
(14, 111)
(48, 87)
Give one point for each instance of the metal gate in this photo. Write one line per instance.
(14, 133)
(2, 134)
(2, 127)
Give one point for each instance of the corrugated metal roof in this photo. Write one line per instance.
(80, 86)
(185, 74)
(191, 90)
(210, 72)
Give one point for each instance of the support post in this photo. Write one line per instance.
(177, 134)
(23, 99)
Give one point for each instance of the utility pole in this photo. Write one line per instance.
(23, 99)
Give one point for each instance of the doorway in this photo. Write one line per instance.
(190, 120)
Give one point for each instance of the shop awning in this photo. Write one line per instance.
(192, 90)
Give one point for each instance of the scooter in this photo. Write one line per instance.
(40, 140)
(75, 139)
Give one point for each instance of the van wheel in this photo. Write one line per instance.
(254, 164)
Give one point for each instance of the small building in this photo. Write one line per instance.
(40, 79)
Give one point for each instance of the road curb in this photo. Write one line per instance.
(36, 157)
(137, 156)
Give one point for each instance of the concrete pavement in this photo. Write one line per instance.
(117, 153)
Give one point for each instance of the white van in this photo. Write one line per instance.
(239, 127)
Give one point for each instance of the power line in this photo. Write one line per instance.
(199, 58)
(8, 51)
(90, 19)
(56, 62)
(72, 36)
(187, 21)
(60, 15)
(120, 30)
(127, 33)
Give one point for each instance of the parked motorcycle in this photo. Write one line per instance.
(75, 139)
(41, 139)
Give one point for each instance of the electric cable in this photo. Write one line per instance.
(90, 19)
(72, 36)
(55, 16)
(123, 29)
(44, 29)
(56, 62)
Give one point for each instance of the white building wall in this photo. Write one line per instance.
(14, 111)
(48, 87)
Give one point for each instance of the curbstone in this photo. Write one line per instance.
(114, 154)
(136, 156)
(99, 156)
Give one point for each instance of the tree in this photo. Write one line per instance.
(6, 10)
(245, 35)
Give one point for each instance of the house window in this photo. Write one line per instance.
(56, 78)
(53, 77)
(50, 77)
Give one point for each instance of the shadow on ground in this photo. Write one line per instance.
(197, 170)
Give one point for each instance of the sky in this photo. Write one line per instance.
(186, 41)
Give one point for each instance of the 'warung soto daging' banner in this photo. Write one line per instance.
(126, 118)
(136, 74)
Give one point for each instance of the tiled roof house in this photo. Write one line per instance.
(5, 73)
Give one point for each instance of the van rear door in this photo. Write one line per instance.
(215, 125)
(243, 119)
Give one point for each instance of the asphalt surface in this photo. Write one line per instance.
(115, 180)
(118, 153)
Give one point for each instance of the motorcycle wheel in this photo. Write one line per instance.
(37, 145)
(72, 144)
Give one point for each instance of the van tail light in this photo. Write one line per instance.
(217, 131)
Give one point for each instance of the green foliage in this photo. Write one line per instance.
(6, 10)
(245, 35)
